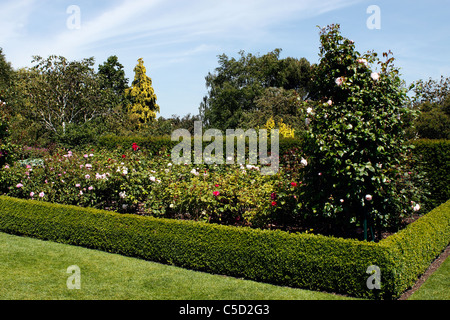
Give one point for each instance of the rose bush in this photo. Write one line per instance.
(355, 140)
(134, 182)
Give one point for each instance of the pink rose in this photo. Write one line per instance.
(339, 81)
(363, 61)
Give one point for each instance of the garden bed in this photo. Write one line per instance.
(135, 181)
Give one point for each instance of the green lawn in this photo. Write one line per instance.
(437, 286)
(32, 269)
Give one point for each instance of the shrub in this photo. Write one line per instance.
(355, 140)
(157, 145)
(434, 159)
(412, 249)
(135, 182)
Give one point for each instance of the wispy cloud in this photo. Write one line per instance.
(14, 17)
(144, 23)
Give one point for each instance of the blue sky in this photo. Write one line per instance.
(180, 40)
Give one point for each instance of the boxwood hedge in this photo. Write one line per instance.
(434, 157)
(299, 260)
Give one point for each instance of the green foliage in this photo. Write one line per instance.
(278, 103)
(298, 260)
(112, 76)
(412, 249)
(59, 92)
(355, 142)
(236, 84)
(66, 102)
(163, 144)
(151, 144)
(143, 107)
(6, 148)
(432, 100)
(165, 126)
(433, 157)
(431, 90)
(6, 76)
(434, 120)
(232, 195)
(113, 81)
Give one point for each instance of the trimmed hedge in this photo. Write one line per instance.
(164, 144)
(151, 144)
(299, 260)
(434, 155)
(415, 247)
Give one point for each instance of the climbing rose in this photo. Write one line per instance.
(363, 61)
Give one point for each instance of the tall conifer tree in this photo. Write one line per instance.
(142, 96)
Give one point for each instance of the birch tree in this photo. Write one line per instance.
(61, 92)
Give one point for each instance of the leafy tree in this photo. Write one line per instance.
(6, 75)
(431, 90)
(432, 99)
(143, 105)
(61, 92)
(276, 103)
(355, 142)
(112, 76)
(237, 83)
(113, 84)
(6, 78)
(165, 127)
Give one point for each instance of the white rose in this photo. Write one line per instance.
(375, 76)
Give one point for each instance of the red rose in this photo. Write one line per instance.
(216, 193)
(124, 156)
(274, 203)
(294, 184)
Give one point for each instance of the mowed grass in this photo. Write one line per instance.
(32, 269)
(437, 286)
